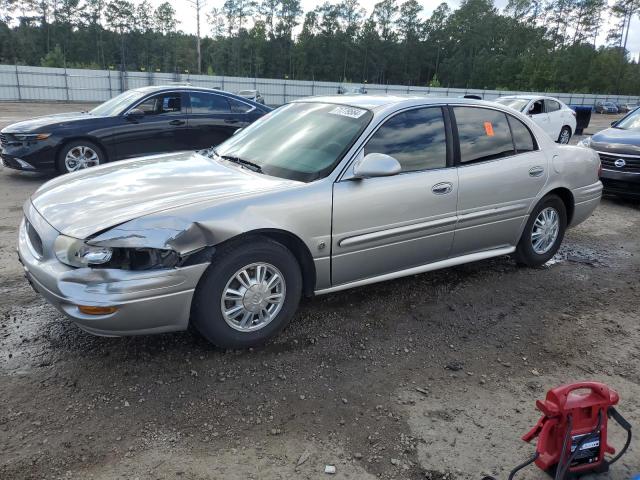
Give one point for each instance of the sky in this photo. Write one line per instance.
(186, 15)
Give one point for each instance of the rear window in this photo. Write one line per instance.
(522, 136)
(484, 134)
(206, 103)
(239, 107)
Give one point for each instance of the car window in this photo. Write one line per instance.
(118, 104)
(536, 107)
(299, 141)
(206, 103)
(164, 103)
(484, 134)
(416, 138)
(239, 107)
(552, 105)
(631, 121)
(522, 136)
(515, 103)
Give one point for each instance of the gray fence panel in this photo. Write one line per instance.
(58, 84)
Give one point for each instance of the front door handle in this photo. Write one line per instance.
(536, 171)
(442, 188)
(177, 122)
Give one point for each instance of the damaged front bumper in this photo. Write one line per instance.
(150, 301)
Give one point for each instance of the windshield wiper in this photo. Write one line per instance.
(240, 161)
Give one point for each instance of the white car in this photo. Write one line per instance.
(555, 118)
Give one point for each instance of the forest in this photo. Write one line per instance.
(531, 45)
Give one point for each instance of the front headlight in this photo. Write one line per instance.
(76, 253)
(26, 137)
(585, 142)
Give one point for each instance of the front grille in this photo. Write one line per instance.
(3, 140)
(608, 160)
(34, 238)
(621, 186)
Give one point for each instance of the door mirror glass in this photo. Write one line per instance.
(135, 114)
(376, 165)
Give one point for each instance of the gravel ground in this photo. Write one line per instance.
(428, 377)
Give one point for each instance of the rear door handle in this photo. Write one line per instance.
(536, 171)
(177, 122)
(442, 188)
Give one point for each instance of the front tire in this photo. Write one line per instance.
(78, 155)
(543, 232)
(248, 294)
(565, 135)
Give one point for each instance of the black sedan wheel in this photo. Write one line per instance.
(79, 155)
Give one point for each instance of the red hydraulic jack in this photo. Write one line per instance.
(572, 432)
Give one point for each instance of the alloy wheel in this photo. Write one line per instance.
(545, 230)
(253, 296)
(80, 157)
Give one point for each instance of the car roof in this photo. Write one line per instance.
(377, 102)
(183, 87)
(531, 97)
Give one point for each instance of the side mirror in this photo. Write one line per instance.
(134, 115)
(376, 165)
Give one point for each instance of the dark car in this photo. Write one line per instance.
(619, 150)
(606, 107)
(624, 107)
(254, 95)
(137, 122)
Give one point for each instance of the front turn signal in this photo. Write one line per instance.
(93, 310)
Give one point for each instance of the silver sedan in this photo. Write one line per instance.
(321, 195)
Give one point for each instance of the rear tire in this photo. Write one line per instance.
(249, 293)
(543, 232)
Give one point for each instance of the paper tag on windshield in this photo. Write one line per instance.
(348, 112)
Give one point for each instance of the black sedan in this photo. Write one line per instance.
(619, 150)
(137, 122)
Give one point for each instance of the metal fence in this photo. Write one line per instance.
(23, 83)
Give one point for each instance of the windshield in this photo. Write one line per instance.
(118, 104)
(515, 103)
(299, 141)
(631, 121)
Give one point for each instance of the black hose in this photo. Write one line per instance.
(613, 413)
(567, 434)
(523, 464)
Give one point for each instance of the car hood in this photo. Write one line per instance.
(90, 201)
(39, 123)
(617, 140)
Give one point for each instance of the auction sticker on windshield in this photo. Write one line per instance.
(348, 112)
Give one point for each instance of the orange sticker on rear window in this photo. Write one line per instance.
(488, 128)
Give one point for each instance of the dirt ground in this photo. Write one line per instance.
(428, 377)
